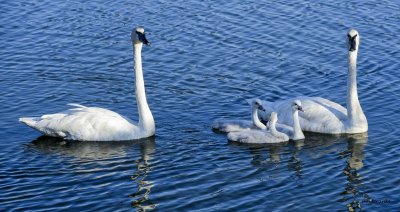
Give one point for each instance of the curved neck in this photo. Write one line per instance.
(146, 120)
(272, 127)
(297, 132)
(256, 121)
(274, 132)
(354, 110)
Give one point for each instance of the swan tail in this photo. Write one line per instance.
(76, 105)
(30, 121)
(33, 123)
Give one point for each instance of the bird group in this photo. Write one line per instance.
(286, 119)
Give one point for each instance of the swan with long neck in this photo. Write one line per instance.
(257, 136)
(226, 125)
(98, 124)
(325, 116)
(294, 132)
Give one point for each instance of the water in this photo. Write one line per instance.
(206, 58)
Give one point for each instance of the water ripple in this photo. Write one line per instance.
(206, 59)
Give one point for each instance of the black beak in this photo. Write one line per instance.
(301, 109)
(261, 108)
(352, 42)
(142, 38)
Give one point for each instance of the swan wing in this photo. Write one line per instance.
(321, 115)
(84, 123)
(254, 136)
(226, 125)
(288, 130)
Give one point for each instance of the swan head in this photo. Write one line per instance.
(353, 40)
(296, 105)
(138, 36)
(257, 104)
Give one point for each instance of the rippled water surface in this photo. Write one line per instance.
(206, 58)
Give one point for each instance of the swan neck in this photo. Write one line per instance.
(272, 128)
(297, 132)
(353, 105)
(274, 132)
(146, 120)
(256, 121)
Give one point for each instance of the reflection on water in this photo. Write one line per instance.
(316, 146)
(86, 149)
(352, 195)
(207, 59)
(97, 151)
(144, 166)
(257, 151)
(295, 164)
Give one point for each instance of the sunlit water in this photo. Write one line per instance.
(206, 58)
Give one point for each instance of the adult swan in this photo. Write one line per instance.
(324, 116)
(98, 124)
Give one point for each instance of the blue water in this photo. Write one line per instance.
(206, 58)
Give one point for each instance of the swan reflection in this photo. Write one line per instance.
(315, 147)
(352, 195)
(120, 150)
(257, 150)
(87, 149)
(144, 166)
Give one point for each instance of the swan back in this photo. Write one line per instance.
(260, 136)
(254, 136)
(231, 125)
(86, 124)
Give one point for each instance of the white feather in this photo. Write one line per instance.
(254, 136)
(322, 115)
(231, 125)
(259, 136)
(99, 124)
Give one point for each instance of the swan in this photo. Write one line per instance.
(224, 125)
(325, 116)
(295, 132)
(98, 124)
(260, 136)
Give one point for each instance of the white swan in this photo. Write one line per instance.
(224, 125)
(259, 136)
(98, 124)
(322, 115)
(295, 132)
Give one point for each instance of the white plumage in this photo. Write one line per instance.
(294, 130)
(325, 116)
(232, 125)
(98, 124)
(259, 136)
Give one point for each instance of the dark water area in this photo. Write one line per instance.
(206, 59)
